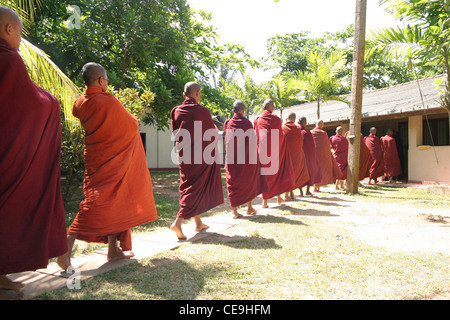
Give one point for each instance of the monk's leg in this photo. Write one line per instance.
(199, 225)
(337, 185)
(308, 193)
(265, 204)
(301, 192)
(64, 260)
(279, 199)
(236, 214)
(250, 209)
(114, 251)
(8, 284)
(176, 226)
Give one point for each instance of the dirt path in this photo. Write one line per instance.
(398, 227)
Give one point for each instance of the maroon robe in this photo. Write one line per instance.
(200, 181)
(392, 167)
(373, 143)
(309, 150)
(282, 179)
(32, 222)
(340, 147)
(244, 180)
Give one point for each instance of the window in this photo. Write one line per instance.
(436, 132)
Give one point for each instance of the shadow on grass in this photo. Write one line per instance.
(308, 212)
(239, 242)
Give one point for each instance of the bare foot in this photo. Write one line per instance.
(201, 227)
(118, 254)
(8, 284)
(280, 200)
(265, 204)
(64, 261)
(178, 232)
(237, 216)
(251, 211)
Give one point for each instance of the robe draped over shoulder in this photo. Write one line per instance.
(200, 176)
(309, 149)
(294, 141)
(243, 168)
(274, 155)
(340, 147)
(392, 167)
(373, 143)
(117, 186)
(328, 166)
(32, 222)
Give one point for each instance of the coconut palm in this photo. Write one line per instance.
(284, 91)
(41, 69)
(425, 39)
(321, 80)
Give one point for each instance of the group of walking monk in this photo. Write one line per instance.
(271, 159)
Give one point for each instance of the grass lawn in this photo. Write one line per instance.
(283, 255)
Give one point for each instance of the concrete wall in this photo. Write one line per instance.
(426, 164)
(159, 147)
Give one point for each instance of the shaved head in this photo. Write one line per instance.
(268, 104)
(92, 72)
(10, 27)
(190, 88)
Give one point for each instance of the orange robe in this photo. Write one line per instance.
(294, 141)
(392, 167)
(327, 164)
(117, 184)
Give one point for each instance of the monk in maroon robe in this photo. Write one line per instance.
(340, 147)
(392, 167)
(294, 140)
(274, 156)
(328, 166)
(364, 158)
(309, 150)
(242, 163)
(373, 143)
(32, 222)
(197, 148)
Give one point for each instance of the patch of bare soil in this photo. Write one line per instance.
(396, 226)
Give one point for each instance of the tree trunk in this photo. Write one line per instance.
(357, 88)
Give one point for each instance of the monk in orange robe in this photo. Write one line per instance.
(328, 166)
(117, 185)
(340, 147)
(373, 143)
(242, 162)
(294, 141)
(32, 222)
(392, 167)
(274, 156)
(196, 138)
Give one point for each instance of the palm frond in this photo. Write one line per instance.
(46, 74)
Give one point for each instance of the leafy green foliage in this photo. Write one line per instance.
(149, 45)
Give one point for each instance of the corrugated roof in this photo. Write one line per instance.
(397, 99)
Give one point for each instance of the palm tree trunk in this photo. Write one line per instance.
(318, 108)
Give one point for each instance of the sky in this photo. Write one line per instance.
(251, 22)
